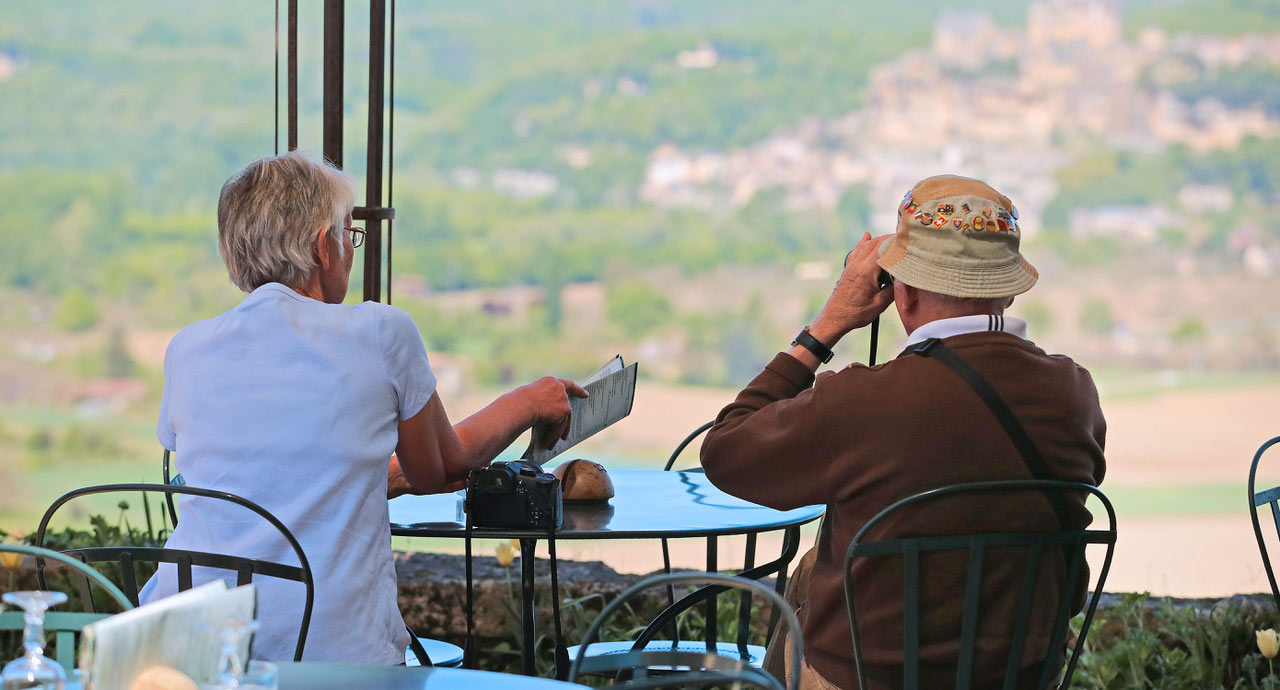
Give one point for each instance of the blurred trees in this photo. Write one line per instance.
(638, 308)
(1096, 317)
(76, 311)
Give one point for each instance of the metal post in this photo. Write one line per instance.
(334, 13)
(293, 75)
(373, 170)
(712, 622)
(527, 639)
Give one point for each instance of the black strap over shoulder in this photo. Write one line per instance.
(561, 651)
(468, 647)
(934, 348)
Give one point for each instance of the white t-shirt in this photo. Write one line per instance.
(293, 404)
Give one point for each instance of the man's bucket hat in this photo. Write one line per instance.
(958, 236)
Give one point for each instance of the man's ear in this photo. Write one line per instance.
(1008, 303)
(323, 250)
(907, 297)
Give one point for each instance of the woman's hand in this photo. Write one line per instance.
(548, 405)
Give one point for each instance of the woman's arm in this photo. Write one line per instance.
(432, 454)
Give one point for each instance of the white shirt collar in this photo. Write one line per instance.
(945, 328)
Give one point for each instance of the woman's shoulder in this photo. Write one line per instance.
(391, 326)
(383, 316)
(195, 332)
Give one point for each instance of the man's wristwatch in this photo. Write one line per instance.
(806, 340)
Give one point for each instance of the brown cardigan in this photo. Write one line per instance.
(864, 437)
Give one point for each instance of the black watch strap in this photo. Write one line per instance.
(806, 340)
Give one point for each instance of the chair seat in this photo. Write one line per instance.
(441, 653)
(755, 652)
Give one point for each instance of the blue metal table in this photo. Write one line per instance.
(318, 676)
(649, 504)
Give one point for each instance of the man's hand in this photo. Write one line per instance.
(548, 404)
(857, 298)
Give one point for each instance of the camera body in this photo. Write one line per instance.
(514, 494)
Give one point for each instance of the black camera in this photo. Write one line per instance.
(514, 494)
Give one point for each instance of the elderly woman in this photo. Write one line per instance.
(297, 402)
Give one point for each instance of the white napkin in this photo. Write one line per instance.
(168, 632)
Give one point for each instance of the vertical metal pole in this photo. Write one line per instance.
(293, 75)
(275, 93)
(712, 622)
(373, 170)
(391, 141)
(527, 640)
(334, 13)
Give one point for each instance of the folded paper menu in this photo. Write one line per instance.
(168, 632)
(612, 390)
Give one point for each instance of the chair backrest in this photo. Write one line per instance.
(245, 568)
(1071, 543)
(703, 667)
(175, 480)
(1258, 499)
(64, 625)
(685, 443)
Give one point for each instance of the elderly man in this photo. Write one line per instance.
(863, 437)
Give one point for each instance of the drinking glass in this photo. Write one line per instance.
(231, 632)
(33, 669)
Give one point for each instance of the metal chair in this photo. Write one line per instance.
(645, 663)
(422, 651)
(175, 480)
(245, 568)
(64, 624)
(909, 549)
(1256, 500)
(754, 654)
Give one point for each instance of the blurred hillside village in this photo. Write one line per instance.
(1007, 105)
(1011, 105)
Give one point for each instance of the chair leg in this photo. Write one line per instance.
(671, 591)
(416, 647)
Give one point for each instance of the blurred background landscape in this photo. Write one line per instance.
(677, 182)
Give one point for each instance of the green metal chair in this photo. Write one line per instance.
(646, 663)
(1268, 497)
(65, 625)
(751, 653)
(244, 568)
(909, 550)
(422, 651)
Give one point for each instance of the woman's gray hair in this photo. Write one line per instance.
(269, 215)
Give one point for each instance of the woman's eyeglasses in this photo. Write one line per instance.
(357, 236)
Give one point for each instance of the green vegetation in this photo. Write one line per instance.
(76, 311)
(1096, 317)
(638, 308)
(1225, 17)
(1251, 173)
(1140, 643)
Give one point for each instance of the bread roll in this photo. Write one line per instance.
(583, 481)
(162, 678)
